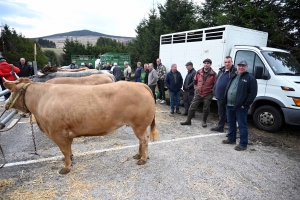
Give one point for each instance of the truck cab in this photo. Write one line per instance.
(278, 78)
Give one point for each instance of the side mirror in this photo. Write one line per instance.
(259, 73)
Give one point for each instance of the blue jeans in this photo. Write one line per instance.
(174, 96)
(137, 80)
(239, 114)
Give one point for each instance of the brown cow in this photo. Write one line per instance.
(51, 104)
(94, 79)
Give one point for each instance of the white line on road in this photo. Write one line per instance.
(107, 150)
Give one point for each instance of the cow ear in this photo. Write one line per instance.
(11, 86)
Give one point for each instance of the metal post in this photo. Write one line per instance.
(4, 92)
(34, 67)
(2, 36)
(7, 118)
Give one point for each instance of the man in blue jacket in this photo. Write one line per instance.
(174, 82)
(138, 71)
(240, 94)
(225, 73)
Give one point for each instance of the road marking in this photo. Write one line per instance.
(12, 123)
(107, 150)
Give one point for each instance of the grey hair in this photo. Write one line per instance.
(139, 63)
(125, 63)
(22, 59)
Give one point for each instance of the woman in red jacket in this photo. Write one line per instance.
(6, 72)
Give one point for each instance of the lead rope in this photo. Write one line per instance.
(33, 138)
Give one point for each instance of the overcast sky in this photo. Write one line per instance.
(37, 18)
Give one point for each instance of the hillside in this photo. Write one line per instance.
(82, 36)
(83, 33)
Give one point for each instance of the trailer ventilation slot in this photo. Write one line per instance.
(214, 34)
(195, 36)
(179, 38)
(166, 39)
(215, 30)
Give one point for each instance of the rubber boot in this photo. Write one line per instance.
(205, 115)
(189, 118)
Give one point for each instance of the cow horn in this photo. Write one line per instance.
(5, 80)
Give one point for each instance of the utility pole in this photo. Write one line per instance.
(2, 36)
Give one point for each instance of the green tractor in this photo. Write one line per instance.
(118, 58)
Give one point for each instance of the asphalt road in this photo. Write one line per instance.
(188, 162)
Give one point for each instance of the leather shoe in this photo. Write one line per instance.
(178, 112)
(217, 129)
(186, 123)
(172, 112)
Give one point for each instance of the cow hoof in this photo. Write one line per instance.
(141, 162)
(64, 171)
(137, 157)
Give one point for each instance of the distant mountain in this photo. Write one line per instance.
(82, 33)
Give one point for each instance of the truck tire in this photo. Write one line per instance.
(268, 118)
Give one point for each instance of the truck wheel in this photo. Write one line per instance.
(267, 118)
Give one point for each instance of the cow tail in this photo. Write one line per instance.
(154, 133)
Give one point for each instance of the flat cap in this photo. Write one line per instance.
(243, 62)
(189, 63)
(207, 60)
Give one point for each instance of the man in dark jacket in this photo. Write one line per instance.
(225, 73)
(117, 72)
(188, 87)
(174, 81)
(25, 70)
(240, 94)
(138, 71)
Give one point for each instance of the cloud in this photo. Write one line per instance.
(37, 18)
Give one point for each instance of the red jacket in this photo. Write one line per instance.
(5, 70)
(205, 85)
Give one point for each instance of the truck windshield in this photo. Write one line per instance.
(282, 63)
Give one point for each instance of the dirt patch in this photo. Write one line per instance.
(286, 139)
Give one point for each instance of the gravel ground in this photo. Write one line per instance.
(188, 162)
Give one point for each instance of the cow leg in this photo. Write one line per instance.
(64, 145)
(138, 156)
(143, 148)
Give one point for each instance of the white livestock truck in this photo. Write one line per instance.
(277, 71)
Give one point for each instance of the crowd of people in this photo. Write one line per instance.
(11, 72)
(234, 88)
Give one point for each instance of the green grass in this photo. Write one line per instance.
(57, 51)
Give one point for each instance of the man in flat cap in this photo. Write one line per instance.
(239, 95)
(188, 87)
(204, 82)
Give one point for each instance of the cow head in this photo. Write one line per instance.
(17, 89)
